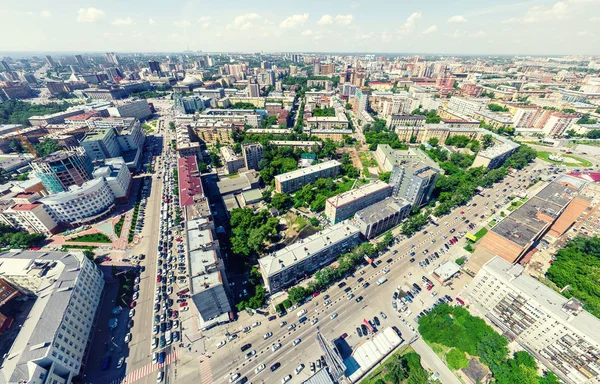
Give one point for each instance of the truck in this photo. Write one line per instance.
(381, 280)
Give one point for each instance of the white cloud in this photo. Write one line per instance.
(479, 34)
(89, 15)
(45, 13)
(151, 21)
(204, 21)
(411, 23)
(326, 20)
(182, 23)
(595, 19)
(344, 19)
(431, 29)
(355, 4)
(244, 22)
(308, 32)
(583, 33)
(125, 21)
(457, 19)
(560, 10)
(294, 21)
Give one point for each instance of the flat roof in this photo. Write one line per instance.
(381, 210)
(300, 250)
(190, 184)
(447, 270)
(235, 184)
(358, 193)
(199, 238)
(296, 143)
(308, 170)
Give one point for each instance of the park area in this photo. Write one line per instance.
(570, 160)
(404, 366)
(91, 238)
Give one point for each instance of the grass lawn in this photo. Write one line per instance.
(367, 159)
(577, 161)
(119, 226)
(492, 223)
(480, 234)
(91, 238)
(147, 128)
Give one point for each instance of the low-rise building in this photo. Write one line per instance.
(231, 162)
(329, 122)
(405, 120)
(55, 336)
(212, 131)
(496, 155)
(556, 330)
(381, 216)
(268, 131)
(336, 135)
(345, 205)
(292, 181)
(296, 261)
(307, 145)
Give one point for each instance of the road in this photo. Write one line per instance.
(229, 359)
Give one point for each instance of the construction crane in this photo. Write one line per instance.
(25, 140)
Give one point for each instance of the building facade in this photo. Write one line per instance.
(253, 154)
(345, 205)
(292, 181)
(414, 182)
(63, 169)
(231, 162)
(381, 216)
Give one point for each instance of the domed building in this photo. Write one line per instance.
(188, 84)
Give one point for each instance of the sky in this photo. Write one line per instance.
(537, 27)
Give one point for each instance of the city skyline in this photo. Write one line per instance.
(468, 28)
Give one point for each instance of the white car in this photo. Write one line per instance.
(315, 321)
(155, 357)
(299, 369)
(254, 325)
(267, 335)
(260, 368)
(297, 341)
(136, 295)
(221, 344)
(333, 315)
(160, 376)
(234, 377)
(250, 354)
(275, 347)
(286, 379)
(131, 312)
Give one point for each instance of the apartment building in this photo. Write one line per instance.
(296, 261)
(212, 131)
(329, 122)
(231, 162)
(184, 146)
(138, 109)
(381, 216)
(252, 154)
(53, 339)
(468, 105)
(558, 123)
(62, 169)
(556, 330)
(496, 155)
(33, 217)
(405, 120)
(414, 182)
(336, 135)
(345, 205)
(292, 181)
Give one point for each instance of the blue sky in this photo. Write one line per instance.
(453, 27)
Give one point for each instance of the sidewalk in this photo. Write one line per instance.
(431, 361)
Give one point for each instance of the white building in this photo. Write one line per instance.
(345, 205)
(117, 176)
(231, 162)
(558, 123)
(466, 105)
(555, 329)
(82, 204)
(137, 108)
(52, 340)
(33, 217)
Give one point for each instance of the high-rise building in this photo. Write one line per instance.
(80, 61)
(414, 182)
(112, 58)
(154, 66)
(4, 65)
(253, 88)
(50, 61)
(253, 154)
(362, 100)
(63, 169)
(556, 330)
(317, 67)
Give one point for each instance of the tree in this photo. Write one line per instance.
(385, 176)
(456, 359)
(297, 294)
(487, 141)
(46, 147)
(348, 106)
(171, 125)
(281, 201)
(497, 108)
(215, 159)
(434, 141)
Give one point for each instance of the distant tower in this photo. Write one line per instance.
(317, 67)
(112, 58)
(253, 88)
(80, 61)
(4, 65)
(154, 66)
(50, 61)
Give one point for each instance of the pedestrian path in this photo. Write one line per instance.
(146, 370)
(205, 370)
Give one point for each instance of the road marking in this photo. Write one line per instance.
(205, 370)
(148, 369)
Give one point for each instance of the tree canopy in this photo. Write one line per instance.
(251, 231)
(19, 112)
(14, 238)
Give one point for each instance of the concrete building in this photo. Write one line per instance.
(212, 131)
(336, 135)
(558, 123)
(468, 105)
(298, 260)
(253, 154)
(406, 121)
(101, 143)
(496, 155)
(307, 145)
(381, 216)
(292, 181)
(63, 169)
(556, 330)
(231, 162)
(189, 181)
(329, 122)
(55, 336)
(33, 217)
(81, 204)
(118, 138)
(268, 131)
(345, 205)
(136, 108)
(117, 176)
(246, 116)
(362, 100)
(54, 118)
(184, 146)
(557, 205)
(441, 131)
(253, 88)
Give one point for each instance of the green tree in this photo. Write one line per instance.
(385, 176)
(456, 359)
(46, 147)
(434, 141)
(297, 294)
(487, 141)
(281, 201)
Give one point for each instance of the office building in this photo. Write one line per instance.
(556, 330)
(414, 182)
(117, 176)
(32, 217)
(253, 88)
(81, 204)
(116, 137)
(112, 58)
(101, 143)
(55, 336)
(154, 67)
(496, 155)
(253, 154)
(362, 100)
(558, 123)
(10, 90)
(136, 108)
(345, 205)
(231, 162)
(381, 216)
(297, 261)
(63, 169)
(55, 118)
(292, 181)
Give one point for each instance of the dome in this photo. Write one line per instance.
(190, 80)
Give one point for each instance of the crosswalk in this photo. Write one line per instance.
(205, 370)
(146, 370)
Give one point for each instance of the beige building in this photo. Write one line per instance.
(345, 205)
(231, 162)
(292, 181)
(336, 135)
(213, 132)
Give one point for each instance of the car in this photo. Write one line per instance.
(162, 342)
(327, 302)
(221, 344)
(358, 332)
(299, 369)
(395, 296)
(383, 315)
(155, 330)
(250, 354)
(292, 326)
(333, 315)
(359, 299)
(246, 347)
(130, 323)
(161, 357)
(160, 376)
(347, 290)
(364, 329)
(282, 324)
(267, 335)
(154, 343)
(341, 285)
(275, 366)
(412, 260)
(234, 377)
(135, 296)
(184, 304)
(351, 296)
(325, 297)
(297, 341)
(131, 312)
(275, 347)
(366, 284)
(376, 321)
(315, 321)
(256, 324)
(247, 329)
(360, 280)
(312, 366)
(260, 368)
(286, 379)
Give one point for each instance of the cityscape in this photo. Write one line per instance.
(270, 198)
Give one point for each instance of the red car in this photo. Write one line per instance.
(175, 314)
(158, 278)
(429, 287)
(317, 293)
(460, 301)
(133, 304)
(462, 212)
(343, 336)
(183, 304)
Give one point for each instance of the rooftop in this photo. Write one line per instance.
(190, 184)
(355, 194)
(309, 170)
(381, 210)
(199, 238)
(237, 184)
(298, 251)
